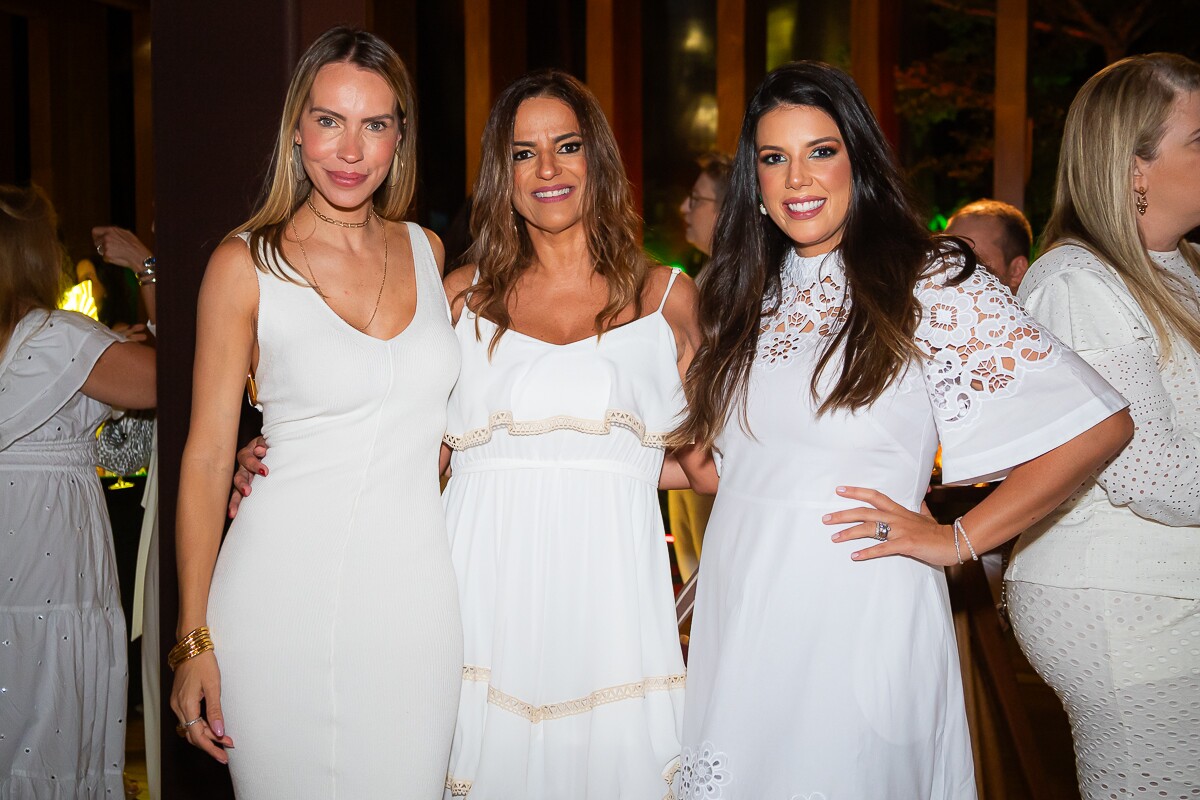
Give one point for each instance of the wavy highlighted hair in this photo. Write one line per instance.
(285, 190)
(1122, 112)
(502, 249)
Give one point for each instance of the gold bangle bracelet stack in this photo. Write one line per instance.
(193, 644)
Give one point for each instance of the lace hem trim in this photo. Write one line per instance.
(458, 787)
(600, 427)
(568, 708)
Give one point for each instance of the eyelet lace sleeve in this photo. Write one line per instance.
(1003, 389)
(1158, 473)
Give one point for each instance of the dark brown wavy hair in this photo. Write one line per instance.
(31, 257)
(884, 249)
(502, 249)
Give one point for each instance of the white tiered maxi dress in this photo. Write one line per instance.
(333, 607)
(573, 684)
(63, 662)
(814, 677)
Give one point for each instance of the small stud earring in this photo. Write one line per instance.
(1141, 202)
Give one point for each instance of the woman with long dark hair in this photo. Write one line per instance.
(842, 343)
(1112, 576)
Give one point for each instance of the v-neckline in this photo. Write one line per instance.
(416, 300)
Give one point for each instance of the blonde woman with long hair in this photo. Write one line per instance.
(325, 638)
(63, 664)
(1104, 592)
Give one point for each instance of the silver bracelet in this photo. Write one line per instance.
(959, 529)
(957, 552)
(146, 277)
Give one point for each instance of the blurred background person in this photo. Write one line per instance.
(688, 511)
(64, 657)
(1000, 236)
(1103, 592)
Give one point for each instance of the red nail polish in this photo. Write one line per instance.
(262, 472)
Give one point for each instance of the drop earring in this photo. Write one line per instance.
(298, 164)
(1141, 202)
(761, 208)
(394, 172)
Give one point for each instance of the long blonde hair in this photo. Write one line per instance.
(1121, 112)
(31, 257)
(286, 188)
(502, 248)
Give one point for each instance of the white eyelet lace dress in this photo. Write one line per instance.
(573, 684)
(333, 608)
(63, 663)
(815, 677)
(1104, 593)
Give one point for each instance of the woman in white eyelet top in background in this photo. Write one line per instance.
(1104, 593)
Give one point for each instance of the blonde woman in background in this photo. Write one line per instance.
(63, 658)
(333, 612)
(1105, 592)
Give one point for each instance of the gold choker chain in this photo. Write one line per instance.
(338, 222)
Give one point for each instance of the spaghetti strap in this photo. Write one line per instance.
(674, 274)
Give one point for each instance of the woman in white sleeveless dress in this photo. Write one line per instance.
(573, 679)
(853, 341)
(338, 310)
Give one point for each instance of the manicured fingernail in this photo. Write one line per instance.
(262, 472)
(218, 727)
(826, 518)
(836, 536)
(245, 491)
(841, 490)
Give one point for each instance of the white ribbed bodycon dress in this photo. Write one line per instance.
(333, 605)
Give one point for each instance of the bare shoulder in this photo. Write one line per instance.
(457, 282)
(683, 298)
(231, 275)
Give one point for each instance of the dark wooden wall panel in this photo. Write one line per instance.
(219, 75)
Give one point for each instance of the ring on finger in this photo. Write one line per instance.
(882, 529)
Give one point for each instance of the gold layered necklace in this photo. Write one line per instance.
(313, 275)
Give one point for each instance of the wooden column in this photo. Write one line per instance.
(218, 90)
(614, 74)
(143, 129)
(874, 26)
(1012, 130)
(494, 34)
(69, 115)
(741, 63)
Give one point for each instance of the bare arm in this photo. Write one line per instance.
(123, 248)
(124, 377)
(1030, 492)
(690, 466)
(224, 345)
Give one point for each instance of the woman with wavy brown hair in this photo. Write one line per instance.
(573, 348)
(1104, 593)
(842, 343)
